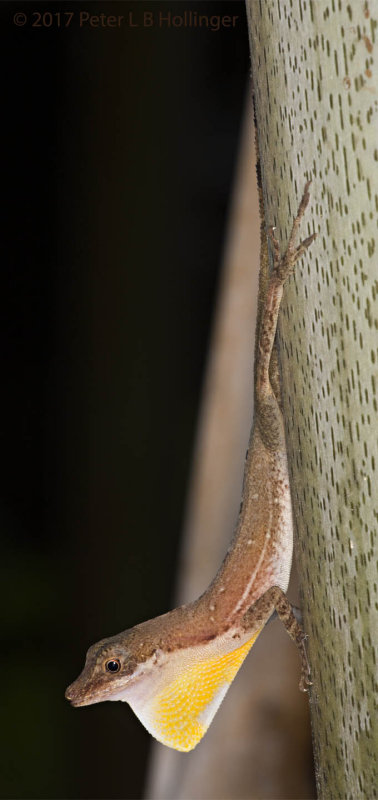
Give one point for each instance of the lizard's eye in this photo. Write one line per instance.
(113, 665)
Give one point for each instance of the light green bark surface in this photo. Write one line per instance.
(315, 75)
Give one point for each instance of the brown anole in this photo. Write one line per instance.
(175, 669)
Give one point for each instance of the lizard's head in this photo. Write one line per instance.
(174, 692)
(110, 666)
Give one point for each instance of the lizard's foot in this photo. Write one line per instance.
(305, 680)
(284, 265)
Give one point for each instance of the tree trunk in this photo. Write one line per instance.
(315, 87)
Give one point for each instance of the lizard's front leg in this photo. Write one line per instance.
(274, 599)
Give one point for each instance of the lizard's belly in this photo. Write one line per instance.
(277, 553)
(261, 552)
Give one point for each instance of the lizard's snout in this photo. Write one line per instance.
(87, 689)
(72, 695)
(76, 693)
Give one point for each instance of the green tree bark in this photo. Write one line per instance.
(314, 69)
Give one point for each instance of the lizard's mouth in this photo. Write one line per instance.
(79, 697)
(80, 694)
(78, 703)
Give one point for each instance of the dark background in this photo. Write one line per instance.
(119, 149)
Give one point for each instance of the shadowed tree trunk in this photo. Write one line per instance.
(314, 67)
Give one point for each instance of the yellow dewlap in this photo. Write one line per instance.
(180, 715)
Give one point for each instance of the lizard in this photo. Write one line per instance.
(174, 670)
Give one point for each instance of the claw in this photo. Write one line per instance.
(284, 266)
(304, 683)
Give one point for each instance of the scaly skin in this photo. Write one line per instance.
(175, 669)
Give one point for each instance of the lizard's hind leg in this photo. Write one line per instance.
(282, 267)
(268, 413)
